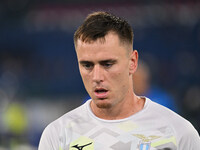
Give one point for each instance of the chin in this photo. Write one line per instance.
(103, 105)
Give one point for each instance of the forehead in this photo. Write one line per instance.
(108, 47)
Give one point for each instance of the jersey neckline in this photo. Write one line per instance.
(147, 100)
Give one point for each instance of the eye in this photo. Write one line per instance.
(88, 66)
(107, 65)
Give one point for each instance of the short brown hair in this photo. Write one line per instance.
(98, 24)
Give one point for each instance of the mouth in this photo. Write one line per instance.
(101, 93)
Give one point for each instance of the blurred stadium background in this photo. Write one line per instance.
(39, 77)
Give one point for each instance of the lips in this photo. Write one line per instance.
(101, 93)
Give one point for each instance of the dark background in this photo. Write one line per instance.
(39, 77)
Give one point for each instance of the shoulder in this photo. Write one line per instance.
(164, 112)
(170, 117)
(72, 115)
(51, 135)
(184, 131)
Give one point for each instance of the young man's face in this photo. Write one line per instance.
(106, 68)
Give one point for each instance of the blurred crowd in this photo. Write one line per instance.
(39, 77)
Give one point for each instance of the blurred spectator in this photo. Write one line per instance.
(15, 119)
(15, 125)
(144, 87)
(191, 105)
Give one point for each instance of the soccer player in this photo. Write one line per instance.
(115, 118)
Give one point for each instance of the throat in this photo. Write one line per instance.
(108, 112)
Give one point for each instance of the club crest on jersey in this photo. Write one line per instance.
(144, 145)
(145, 142)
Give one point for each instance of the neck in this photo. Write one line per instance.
(122, 110)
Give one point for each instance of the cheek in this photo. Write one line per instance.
(120, 79)
(85, 78)
(86, 82)
(121, 73)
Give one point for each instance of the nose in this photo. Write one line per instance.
(98, 74)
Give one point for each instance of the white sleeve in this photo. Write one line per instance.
(190, 139)
(49, 139)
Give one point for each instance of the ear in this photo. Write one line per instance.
(133, 62)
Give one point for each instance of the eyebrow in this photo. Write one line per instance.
(85, 62)
(102, 61)
(108, 61)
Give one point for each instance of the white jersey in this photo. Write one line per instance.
(153, 128)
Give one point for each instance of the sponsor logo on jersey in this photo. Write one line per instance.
(81, 147)
(82, 143)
